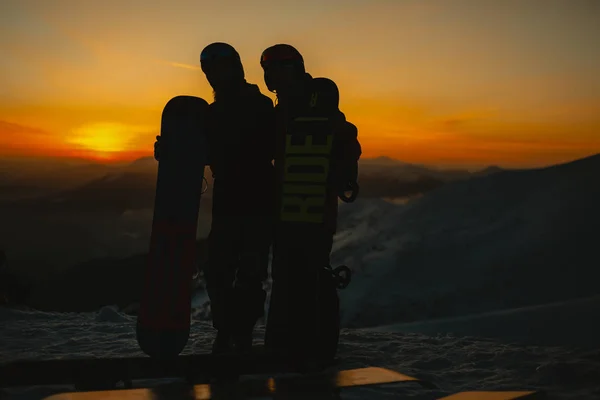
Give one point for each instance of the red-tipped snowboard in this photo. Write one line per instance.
(163, 322)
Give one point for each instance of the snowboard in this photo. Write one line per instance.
(303, 240)
(163, 321)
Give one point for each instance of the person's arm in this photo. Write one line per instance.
(157, 146)
(211, 145)
(348, 150)
(266, 126)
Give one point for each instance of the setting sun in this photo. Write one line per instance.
(105, 139)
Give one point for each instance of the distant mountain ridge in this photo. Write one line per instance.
(477, 238)
(97, 186)
(509, 239)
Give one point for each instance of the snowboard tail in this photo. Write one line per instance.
(164, 317)
(171, 238)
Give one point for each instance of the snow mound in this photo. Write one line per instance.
(566, 323)
(111, 314)
(510, 239)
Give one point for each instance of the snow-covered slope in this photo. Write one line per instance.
(511, 239)
(572, 323)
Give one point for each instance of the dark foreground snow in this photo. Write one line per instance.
(453, 364)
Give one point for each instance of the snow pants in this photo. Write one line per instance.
(238, 257)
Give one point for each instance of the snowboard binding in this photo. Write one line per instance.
(351, 187)
(342, 276)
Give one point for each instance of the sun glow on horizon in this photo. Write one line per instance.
(426, 82)
(106, 140)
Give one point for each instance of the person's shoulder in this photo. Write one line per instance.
(258, 96)
(266, 100)
(324, 84)
(326, 90)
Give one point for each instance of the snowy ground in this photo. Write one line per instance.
(453, 364)
(506, 263)
(571, 323)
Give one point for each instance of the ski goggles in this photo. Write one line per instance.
(219, 54)
(213, 59)
(278, 60)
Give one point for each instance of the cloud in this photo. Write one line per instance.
(180, 65)
(10, 129)
(463, 118)
(17, 137)
(107, 51)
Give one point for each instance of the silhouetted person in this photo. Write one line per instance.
(300, 261)
(241, 143)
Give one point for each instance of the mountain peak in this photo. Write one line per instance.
(143, 161)
(382, 160)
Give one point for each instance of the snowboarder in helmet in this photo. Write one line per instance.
(222, 66)
(295, 283)
(240, 130)
(283, 68)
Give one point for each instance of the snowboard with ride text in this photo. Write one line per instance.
(304, 312)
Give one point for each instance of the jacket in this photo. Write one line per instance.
(241, 149)
(319, 98)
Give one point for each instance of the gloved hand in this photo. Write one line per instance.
(157, 146)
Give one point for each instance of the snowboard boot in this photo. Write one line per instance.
(223, 343)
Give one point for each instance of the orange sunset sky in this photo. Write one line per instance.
(447, 82)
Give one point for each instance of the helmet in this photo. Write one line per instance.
(282, 54)
(218, 51)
